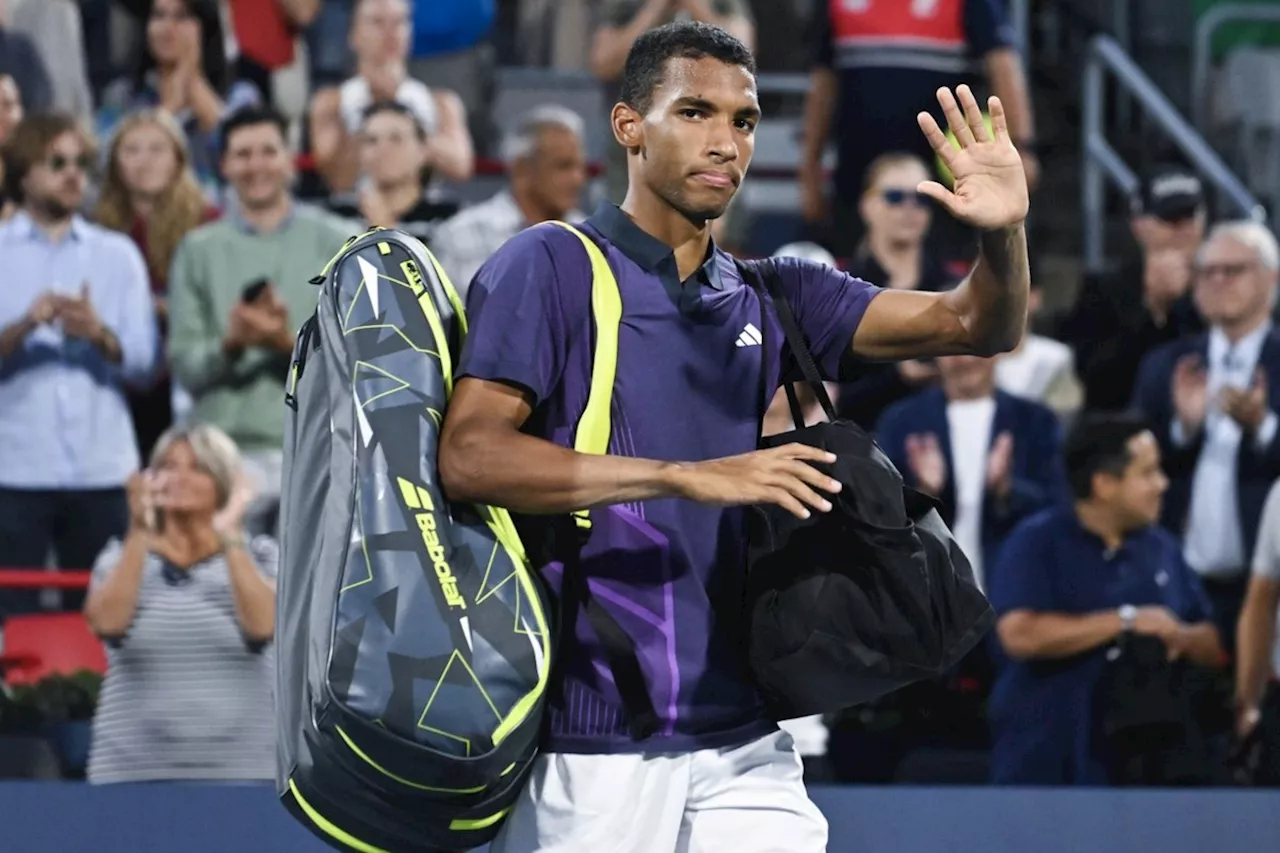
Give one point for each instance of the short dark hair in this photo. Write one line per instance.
(29, 143)
(1099, 444)
(395, 108)
(647, 61)
(250, 117)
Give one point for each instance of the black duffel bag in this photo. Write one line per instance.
(852, 604)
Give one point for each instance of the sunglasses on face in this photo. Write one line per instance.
(894, 198)
(58, 163)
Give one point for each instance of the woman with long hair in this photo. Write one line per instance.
(186, 605)
(150, 193)
(184, 70)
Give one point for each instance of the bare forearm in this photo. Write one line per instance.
(1255, 638)
(207, 104)
(530, 475)
(612, 44)
(254, 595)
(1203, 646)
(109, 610)
(12, 336)
(738, 26)
(819, 105)
(1057, 635)
(300, 12)
(1009, 83)
(454, 158)
(992, 301)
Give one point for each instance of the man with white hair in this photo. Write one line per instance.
(1212, 400)
(546, 167)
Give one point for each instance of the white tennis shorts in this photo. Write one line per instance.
(744, 799)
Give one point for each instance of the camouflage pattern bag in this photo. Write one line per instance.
(413, 638)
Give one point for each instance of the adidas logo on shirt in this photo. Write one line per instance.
(750, 337)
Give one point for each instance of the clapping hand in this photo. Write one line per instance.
(1190, 393)
(990, 181)
(927, 463)
(1000, 465)
(1247, 406)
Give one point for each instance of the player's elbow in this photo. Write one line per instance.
(459, 475)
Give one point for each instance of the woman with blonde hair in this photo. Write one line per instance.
(151, 194)
(187, 607)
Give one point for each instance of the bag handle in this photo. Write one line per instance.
(764, 274)
(592, 436)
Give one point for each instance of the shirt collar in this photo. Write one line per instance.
(25, 228)
(647, 251)
(1248, 349)
(243, 226)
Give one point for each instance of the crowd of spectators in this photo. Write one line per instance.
(162, 219)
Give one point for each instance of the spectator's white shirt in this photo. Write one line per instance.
(1031, 371)
(1266, 555)
(1213, 543)
(970, 424)
(465, 241)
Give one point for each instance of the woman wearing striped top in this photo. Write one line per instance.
(187, 608)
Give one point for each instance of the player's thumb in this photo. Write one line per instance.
(937, 192)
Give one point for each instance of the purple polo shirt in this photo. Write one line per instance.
(688, 388)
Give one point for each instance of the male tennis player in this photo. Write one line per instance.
(666, 553)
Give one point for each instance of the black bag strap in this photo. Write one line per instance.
(764, 274)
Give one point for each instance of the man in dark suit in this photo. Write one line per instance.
(1212, 399)
(991, 458)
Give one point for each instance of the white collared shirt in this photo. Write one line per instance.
(970, 423)
(1214, 543)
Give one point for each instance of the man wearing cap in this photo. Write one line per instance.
(1119, 318)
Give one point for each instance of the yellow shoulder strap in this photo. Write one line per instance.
(606, 309)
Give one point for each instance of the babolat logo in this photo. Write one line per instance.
(413, 276)
(419, 500)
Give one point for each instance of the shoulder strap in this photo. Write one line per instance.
(764, 276)
(592, 436)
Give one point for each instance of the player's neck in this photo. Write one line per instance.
(688, 241)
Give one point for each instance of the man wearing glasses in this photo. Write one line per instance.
(75, 325)
(1212, 400)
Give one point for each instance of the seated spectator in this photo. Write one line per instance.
(395, 188)
(991, 458)
(151, 194)
(380, 37)
(1212, 400)
(1069, 582)
(1041, 368)
(75, 326)
(56, 30)
(622, 22)
(184, 71)
(20, 60)
(546, 165)
(1257, 649)
(186, 605)
(238, 292)
(893, 252)
(1118, 319)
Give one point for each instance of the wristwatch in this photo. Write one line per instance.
(1128, 615)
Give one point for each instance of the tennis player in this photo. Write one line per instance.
(666, 554)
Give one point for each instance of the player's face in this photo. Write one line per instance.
(697, 140)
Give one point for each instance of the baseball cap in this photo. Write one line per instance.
(1170, 194)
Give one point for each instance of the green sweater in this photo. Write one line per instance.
(244, 396)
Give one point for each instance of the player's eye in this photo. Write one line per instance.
(745, 124)
(692, 112)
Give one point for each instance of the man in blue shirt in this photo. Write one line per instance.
(75, 325)
(666, 556)
(1068, 583)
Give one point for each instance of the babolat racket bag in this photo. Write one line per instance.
(412, 638)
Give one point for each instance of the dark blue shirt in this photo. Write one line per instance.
(1042, 712)
(688, 388)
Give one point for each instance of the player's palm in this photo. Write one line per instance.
(990, 183)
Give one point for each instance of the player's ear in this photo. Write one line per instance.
(628, 126)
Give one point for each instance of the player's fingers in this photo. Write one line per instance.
(799, 450)
(999, 124)
(937, 138)
(786, 500)
(955, 117)
(807, 496)
(937, 192)
(973, 114)
(808, 474)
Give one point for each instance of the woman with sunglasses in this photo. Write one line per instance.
(893, 251)
(187, 607)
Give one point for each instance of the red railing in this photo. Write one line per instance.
(43, 579)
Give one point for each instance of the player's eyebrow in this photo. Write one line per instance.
(694, 102)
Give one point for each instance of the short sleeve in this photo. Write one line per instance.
(1196, 604)
(1266, 554)
(987, 27)
(516, 328)
(1022, 578)
(108, 559)
(828, 304)
(266, 556)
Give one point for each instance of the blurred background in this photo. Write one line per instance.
(174, 171)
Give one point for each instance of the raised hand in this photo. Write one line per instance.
(784, 476)
(990, 181)
(1000, 464)
(79, 319)
(927, 463)
(1247, 406)
(1190, 390)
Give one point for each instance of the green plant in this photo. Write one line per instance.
(58, 698)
